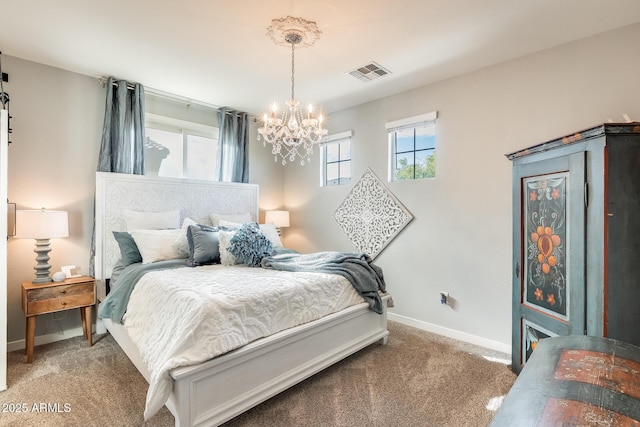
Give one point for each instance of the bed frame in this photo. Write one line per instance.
(219, 389)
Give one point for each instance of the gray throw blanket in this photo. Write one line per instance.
(358, 268)
(115, 304)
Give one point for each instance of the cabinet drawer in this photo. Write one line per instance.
(58, 298)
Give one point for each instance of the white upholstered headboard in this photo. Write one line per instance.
(196, 199)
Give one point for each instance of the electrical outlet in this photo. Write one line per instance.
(444, 297)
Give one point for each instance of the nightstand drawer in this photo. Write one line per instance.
(51, 299)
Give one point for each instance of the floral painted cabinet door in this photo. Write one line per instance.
(549, 252)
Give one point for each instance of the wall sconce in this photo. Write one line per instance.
(279, 218)
(41, 225)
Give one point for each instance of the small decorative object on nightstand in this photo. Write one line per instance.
(76, 292)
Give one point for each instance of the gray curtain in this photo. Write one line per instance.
(122, 148)
(233, 148)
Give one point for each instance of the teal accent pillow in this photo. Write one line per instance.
(129, 252)
(249, 245)
(203, 245)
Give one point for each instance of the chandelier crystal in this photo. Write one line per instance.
(292, 132)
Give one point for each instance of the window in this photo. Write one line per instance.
(180, 149)
(412, 148)
(336, 160)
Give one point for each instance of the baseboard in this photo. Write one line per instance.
(100, 327)
(45, 339)
(451, 333)
(425, 326)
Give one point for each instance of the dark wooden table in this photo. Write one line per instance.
(576, 381)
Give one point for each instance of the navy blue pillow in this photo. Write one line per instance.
(249, 245)
(204, 247)
(129, 252)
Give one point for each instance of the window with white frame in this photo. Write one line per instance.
(412, 147)
(335, 160)
(180, 149)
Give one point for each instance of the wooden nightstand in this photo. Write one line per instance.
(75, 292)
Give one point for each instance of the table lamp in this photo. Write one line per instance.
(41, 225)
(279, 218)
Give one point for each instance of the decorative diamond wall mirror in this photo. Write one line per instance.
(371, 215)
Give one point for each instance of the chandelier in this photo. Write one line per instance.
(291, 132)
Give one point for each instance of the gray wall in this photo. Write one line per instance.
(460, 239)
(57, 123)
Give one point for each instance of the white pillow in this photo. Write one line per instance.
(224, 240)
(241, 218)
(229, 224)
(151, 220)
(269, 229)
(156, 245)
(181, 243)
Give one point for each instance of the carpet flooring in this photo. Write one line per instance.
(418, 379)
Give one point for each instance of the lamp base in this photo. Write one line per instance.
(42, 268)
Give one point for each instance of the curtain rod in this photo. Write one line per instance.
(166, 95)
(172, 97)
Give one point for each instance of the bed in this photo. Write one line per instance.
(215, 390)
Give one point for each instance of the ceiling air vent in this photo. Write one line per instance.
(369, 72)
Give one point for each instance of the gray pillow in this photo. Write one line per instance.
(249, 245)
(203, 245)
(129, 252)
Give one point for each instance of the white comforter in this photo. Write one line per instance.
(185, 316)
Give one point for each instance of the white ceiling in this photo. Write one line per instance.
(217, 51)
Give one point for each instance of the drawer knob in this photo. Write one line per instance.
(63, 303)
(63, 292)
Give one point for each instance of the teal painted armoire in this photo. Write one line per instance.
(576, 238)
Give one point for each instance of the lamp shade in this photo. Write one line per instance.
(41, 224)
(278, 218)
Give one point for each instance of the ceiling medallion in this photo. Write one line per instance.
(291, 132)
(281, 28)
